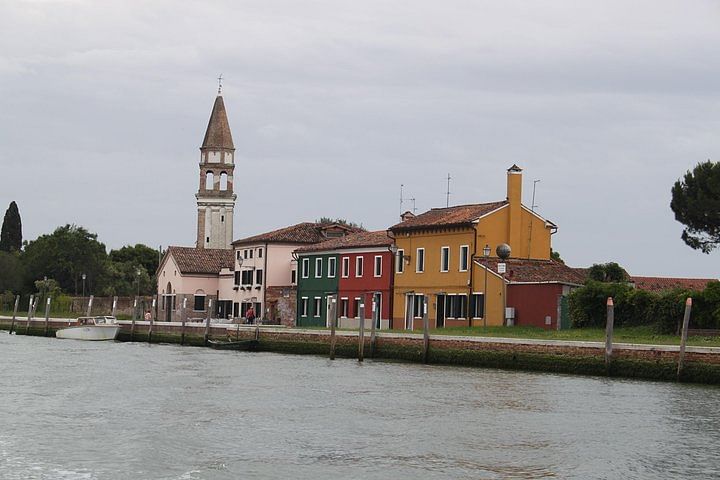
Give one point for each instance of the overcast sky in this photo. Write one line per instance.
(333, 104)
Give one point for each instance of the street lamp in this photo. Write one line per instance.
(83, 278)
(486, 254)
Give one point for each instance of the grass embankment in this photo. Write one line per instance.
(40, 315)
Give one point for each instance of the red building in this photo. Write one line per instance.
(365, 270)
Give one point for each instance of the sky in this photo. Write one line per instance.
(334, 104)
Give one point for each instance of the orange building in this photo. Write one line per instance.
(441, 265)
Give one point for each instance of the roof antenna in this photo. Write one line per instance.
(414, 210)
(401, 199)
(447, 199)
(220, 84)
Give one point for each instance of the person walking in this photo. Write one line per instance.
(148, 316)
(250, 315)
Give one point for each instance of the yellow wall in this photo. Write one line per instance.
(493, 230)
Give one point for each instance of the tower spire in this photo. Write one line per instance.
(220, 84)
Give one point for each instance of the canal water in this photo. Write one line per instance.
(85, 410)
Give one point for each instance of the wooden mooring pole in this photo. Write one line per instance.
(207, 323)
(17, 304)
(90, 302)
(361, 333)
(426, 332)
(183, 315)
(132, 325)
(47, 316)
(683, 338)
(609, 332)
(114, 307)
(29, 315)
(375, 311)
(152, 321)
(332, 319)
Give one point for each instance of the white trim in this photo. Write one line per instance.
(316, 313)
(320, 260)
(348, 307)
(305, 272)
(359, 262)
(417, 260)
(375, 265)
(345, 272)
(445, 248)
(400, 261)
(334, 262)
(304, 303)
(467, 258)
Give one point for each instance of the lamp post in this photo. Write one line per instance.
(138, 272)
(83, 278)
(503, 251)
(486, 254)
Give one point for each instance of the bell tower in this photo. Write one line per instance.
(215, 196)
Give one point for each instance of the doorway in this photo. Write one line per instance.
(377, 309)
(440, 319)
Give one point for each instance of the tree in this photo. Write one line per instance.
(12, 272)
(555, 255)
(696, 204)
(11, 233)
(608, 273)
(340, 221)
(65, 255)
(140, 255)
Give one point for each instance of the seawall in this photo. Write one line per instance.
(655, 362)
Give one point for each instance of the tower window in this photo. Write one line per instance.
(223, 181)
(222, 218)
(209, 181)
(207, 239)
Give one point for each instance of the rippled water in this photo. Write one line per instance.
(72, 409)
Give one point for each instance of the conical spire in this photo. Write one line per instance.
(218, 130)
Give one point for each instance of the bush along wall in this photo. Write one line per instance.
(633, 307)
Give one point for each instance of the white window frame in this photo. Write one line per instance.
(305, 268)
(332, 267)
(377, 266)
(450, 300)
(400, 261)
(356, 307)
(345, 267)
(470, 302)
(317, 302)
(318, 271)
(304, 306)
(466, 257)
(417, 260)
(359, 266)
(344, 307)
(444, 262)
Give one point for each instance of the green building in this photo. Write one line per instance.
(317, 277)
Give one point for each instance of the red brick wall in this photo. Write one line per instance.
(533, 303)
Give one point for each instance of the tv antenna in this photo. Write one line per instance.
(447, 198)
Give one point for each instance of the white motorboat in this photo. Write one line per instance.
(91, 328)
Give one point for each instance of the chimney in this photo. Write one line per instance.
(514, 198)
(406, 216)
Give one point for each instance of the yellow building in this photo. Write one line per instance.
(438, 263)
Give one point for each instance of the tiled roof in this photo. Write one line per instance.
(353, 240)
(307, 232)
(535, 271)
(218, 133)
(658, 284)
(460, 215)
(201, 260)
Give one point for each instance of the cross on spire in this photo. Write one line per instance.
(220, 84)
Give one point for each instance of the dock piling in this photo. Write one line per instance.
(361, 335)
(609, 333)
(89, 307)
(183, 315)
(426, 332)
(374, 327)
(132, 325)
(15, 309)
(29, 315)
(683, 338)
(47, 316)
(114, 307)
(332, 319)
(207, 323)
(152, 321)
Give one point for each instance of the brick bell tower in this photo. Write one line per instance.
(215, 197)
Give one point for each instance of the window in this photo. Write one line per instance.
(356, 307)
(400, 261)
(293, 277)
(305, 267)
(344, 304)
(464, 253)
(346, 267)
(258, 277)
(237, 255)
(304, 307)
(237, 278)
(444, 259)
(418, 305)
(223, 181)
(209, 181)
(378, 266)
(420, 260)
(246, 277)
(317, 306)
(318, 267)
(332, 267)
(456, 306)
(359, 266)
(245, 254)
(260, 252)
(477, 305)
(199, 303)
(251, 252)
(222, 218)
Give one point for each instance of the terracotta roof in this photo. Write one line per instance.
(658, 284)
(535, 271)
(352, 240)
(307, 232)
(218, 133)
(201, 260)
(460, 215)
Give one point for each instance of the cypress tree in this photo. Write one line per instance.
(11, 233)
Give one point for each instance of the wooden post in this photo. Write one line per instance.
(17, 304)
(114, 307)
(29, 315)
(361, 335)
(152, 321)
(426, 331)
(183, 314)
(132, 325)
(207, 322)
(47, 316)
(683, 339)
(375, 311)
(609, 332)
(332, 317)
(90, 302)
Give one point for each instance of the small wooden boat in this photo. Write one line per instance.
(91, 328)
(233, 345)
